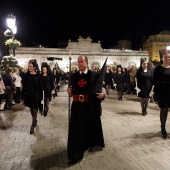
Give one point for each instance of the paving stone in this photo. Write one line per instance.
(132, 141)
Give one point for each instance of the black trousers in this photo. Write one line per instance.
(17, 95)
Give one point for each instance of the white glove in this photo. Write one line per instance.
(103, 90)
(138, 89)
(53, 92)
(151, 94)
(115, 85)
(42, 101)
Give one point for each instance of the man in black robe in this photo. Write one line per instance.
(85, 128)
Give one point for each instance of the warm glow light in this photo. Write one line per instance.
(168, 47)
(11, 20)
(11, 23)
(14, 30)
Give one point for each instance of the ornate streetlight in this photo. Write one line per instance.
(11, 23)
(12, 29)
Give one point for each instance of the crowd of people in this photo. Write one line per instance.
(36, 88)
(33, 87)
(150, 83)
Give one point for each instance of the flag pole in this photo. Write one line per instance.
(69, 108)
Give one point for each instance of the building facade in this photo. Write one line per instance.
(155, 43)
(64, 57)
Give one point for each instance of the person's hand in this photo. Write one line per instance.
(42, 101)
(14, 92)
(100, 95)
(52, 92)
(115, 85)
(22, 100)
(69, 90)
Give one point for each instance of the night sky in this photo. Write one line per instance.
(48, 22)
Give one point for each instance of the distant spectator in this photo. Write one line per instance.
(10, 88)
(132, 78)
(17, 82)
(2, 92)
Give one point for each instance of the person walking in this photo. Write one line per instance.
(10, 88)
(144, 78)
(2, 93)
(32, 91)
(56, 77)
(48, 85)
(108, 79)
(151, 67)
(132, 75)
(120, 82)
(161, 88)
(85, 128)
(129, 89)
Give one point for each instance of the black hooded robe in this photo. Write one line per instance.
(85, 129)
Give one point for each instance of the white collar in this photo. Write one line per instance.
(85, 72)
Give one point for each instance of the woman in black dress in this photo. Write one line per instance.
(144, 78)
(56, 78)
(48, 85)
(161, 81)
(32, 91)
(120, 81)
(108, 79)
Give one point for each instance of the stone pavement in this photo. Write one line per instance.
(132, 141)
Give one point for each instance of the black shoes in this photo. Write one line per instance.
(32, 130)
(8, 107)
(90, 149)
(164, 134)
(144, 112)
(128, 93)
(120, 98)
(34, 124)
(73, 162)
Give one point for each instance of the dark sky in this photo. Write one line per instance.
(40, 22)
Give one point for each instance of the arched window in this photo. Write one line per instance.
(95, 65)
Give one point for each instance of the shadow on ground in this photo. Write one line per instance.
(51, 160)
(6, 119)
(129, 113)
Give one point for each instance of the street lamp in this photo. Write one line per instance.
(11, 23)
(12, 29)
